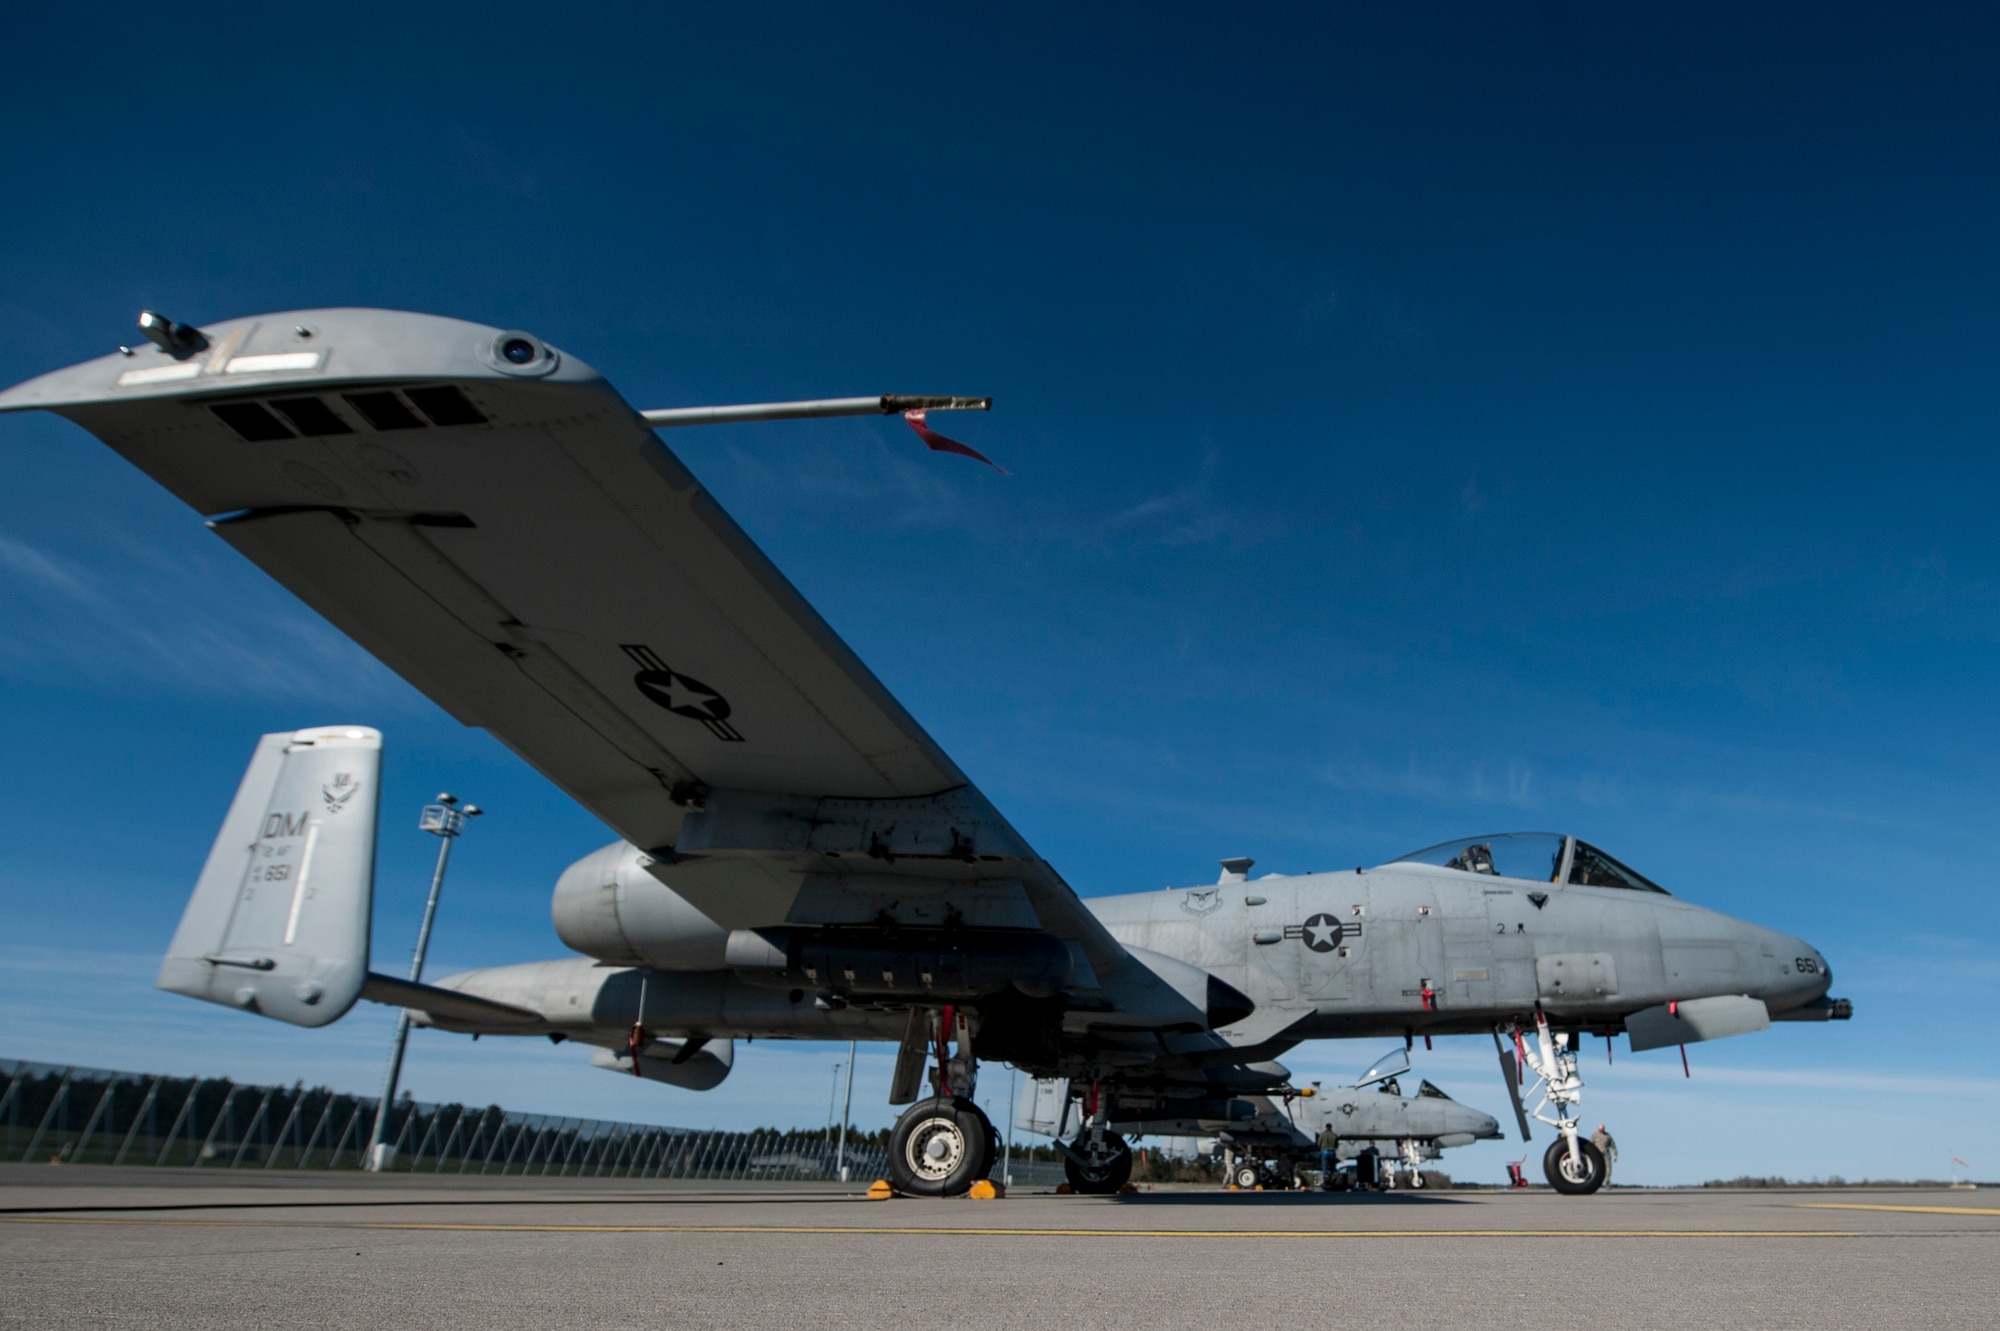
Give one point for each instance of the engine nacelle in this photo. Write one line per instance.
(607, 905)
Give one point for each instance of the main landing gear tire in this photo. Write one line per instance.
(1246, 1177)
(940, 1148)
(1101, 1171)
(1564, 1177)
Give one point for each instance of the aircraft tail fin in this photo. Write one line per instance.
(278, 922)
(1046, 1108)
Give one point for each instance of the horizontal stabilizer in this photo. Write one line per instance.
(278, 922)
(1696, 1019)
(449, 1004)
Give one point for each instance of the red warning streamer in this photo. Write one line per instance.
(947, 1020)
(638, 1038)
(937, 443)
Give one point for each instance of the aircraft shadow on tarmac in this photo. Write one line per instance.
(789, 1199)
(1286, 1199)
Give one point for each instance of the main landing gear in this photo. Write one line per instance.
(1573, 1164)
(941, 1147)
(944, 1144)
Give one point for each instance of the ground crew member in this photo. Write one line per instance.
(1607, 1146)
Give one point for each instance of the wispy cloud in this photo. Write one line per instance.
(16, 958)
(134, 613)
(26, 562)
(1755, 803)
(1193, 514)
(1513, 784)
(899, 491)
(1185, 517)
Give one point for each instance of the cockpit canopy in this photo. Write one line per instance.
(1385, 1068)
(1541, 857)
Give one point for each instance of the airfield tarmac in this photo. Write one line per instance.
(100, 1247)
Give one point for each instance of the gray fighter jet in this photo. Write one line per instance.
(1374, 1114)
(796, 856)
(1272, 1141)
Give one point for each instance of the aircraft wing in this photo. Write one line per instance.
(486, 515)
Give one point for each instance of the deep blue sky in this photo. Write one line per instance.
(1423, 422)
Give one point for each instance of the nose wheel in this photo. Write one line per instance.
(1578, 1174)
(1573, 1164)
(1098, 1163)
(941, 1147)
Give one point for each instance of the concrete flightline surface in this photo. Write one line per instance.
(85, 1246)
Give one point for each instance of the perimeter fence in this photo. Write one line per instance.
(90, 1115)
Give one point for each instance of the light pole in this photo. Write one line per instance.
(840, 1156)
(832, 1094)
(444, 820)
(1007, 1152)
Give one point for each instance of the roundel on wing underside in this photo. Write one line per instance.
(682, 695)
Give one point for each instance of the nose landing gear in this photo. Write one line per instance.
(1102, 1166)
(1581, 1174)
(1099, 1161)
(1413, 1156)
(1573, 1164)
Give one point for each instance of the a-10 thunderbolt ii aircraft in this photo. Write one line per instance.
(1371, 1115)
(796, 856)
(1269, 1141)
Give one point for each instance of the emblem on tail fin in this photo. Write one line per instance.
(679, 694)
(339, 791)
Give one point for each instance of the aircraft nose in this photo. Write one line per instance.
(1803, 971)
(1813, 963)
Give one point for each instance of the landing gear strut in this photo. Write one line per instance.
(1414, 1158)
(1573, 1164)
(1099, 1160)
(944, 1144)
